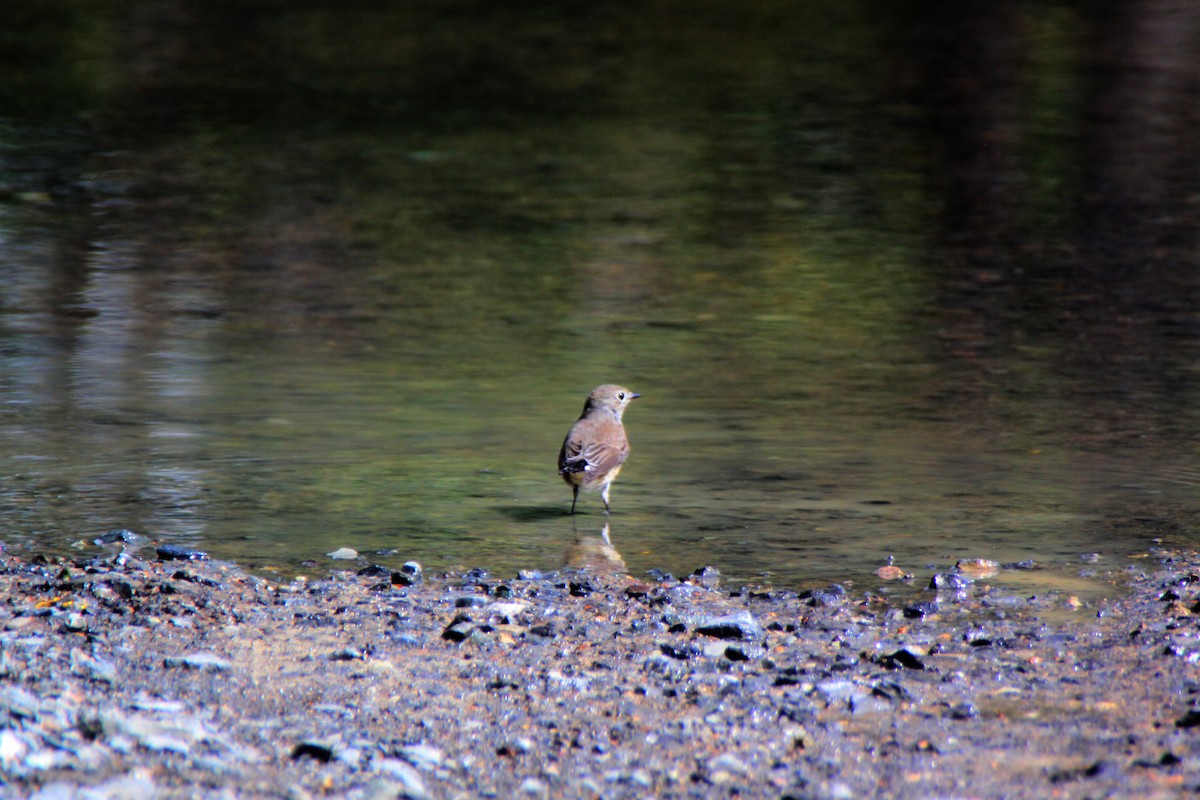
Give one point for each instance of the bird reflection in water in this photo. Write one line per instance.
(594, 554)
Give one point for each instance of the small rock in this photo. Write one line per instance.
(413, 785)
(962, 711)
(902, 659)
(819, 598)
(708, 577)
(1189, 720)
(949, 582)
(519, 746)
(171, 552)
(728, 762)
(314, 750)
(343, 554)
(741, 625)
(533, 786)
(922, 609)
(890, 572)
(977, 568)
(459, 629)
(122, 536)
(505, 610)
(94, 668)
(833, 690)
(383, 789)
(202, 661)
(347, 654)
(838, 791)
(422, 755)
(12, 748)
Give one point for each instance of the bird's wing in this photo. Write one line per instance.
(594, 458)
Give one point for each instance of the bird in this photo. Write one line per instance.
(595, 447)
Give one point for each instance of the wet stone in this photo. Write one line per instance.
(890, 572)
(977, 568)
(949, 582)
(741, 625)
(708, 577)
(920, 610)
(121, 536)
(170, 552)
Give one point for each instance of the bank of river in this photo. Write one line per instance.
(126, 676)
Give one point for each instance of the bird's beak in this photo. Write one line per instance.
(634, 396)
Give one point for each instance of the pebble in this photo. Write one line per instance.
(921, 609)
(94, 668)
(200, 661)
(949, 582)
(533, 786)
(343, 554)
(890, 572)
(729, 763)
(171, 552)
(977, 568)
(422, 755)
(708, 577)
(124, 536)
(832, 691)
(383, 789)
(506, 610)
(12, 748)
(741, 625)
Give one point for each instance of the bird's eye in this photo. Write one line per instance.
(620, 395)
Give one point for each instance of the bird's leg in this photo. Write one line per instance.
(574, 498)
(604, 496)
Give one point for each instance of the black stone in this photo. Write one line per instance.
(171, 552)
(317, 752)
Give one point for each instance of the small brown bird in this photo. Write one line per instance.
(596, 447)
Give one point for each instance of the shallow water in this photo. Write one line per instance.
(282, 280)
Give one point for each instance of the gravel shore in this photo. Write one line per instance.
(173, 676)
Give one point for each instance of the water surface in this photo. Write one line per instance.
(282, 279)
